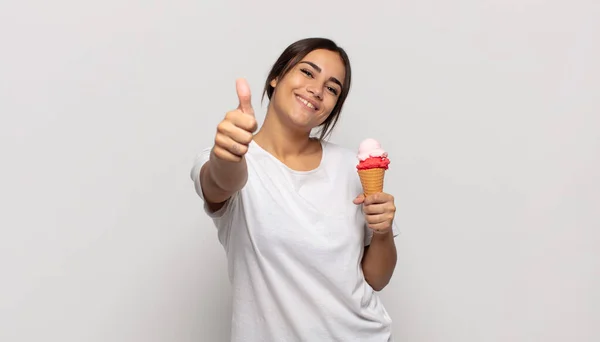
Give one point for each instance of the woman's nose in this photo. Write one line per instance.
(315, 90)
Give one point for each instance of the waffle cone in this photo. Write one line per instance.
(372, 180)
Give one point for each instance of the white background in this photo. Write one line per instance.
(490, 111)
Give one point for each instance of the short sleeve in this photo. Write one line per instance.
(200, 160)
(369, 232)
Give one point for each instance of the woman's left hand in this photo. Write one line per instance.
(379, 210)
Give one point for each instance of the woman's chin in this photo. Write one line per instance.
(302, 122)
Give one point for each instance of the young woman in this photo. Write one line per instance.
(306, 250)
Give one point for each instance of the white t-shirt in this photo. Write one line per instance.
(294, 242)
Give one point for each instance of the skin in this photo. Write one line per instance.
(285, 133)
(379, 259)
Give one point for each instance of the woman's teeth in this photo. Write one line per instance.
(308, 104)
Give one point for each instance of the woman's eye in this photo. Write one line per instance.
(333, 90)
(306, 72)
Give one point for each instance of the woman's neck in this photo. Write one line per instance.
(281, 141)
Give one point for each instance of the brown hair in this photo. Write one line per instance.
(292, 55)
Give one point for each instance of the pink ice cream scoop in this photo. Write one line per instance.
(370, 148)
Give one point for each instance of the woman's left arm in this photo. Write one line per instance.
(379, 259)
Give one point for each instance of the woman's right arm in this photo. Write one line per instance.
(220, 180)
(226, 172)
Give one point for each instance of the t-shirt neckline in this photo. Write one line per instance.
(319, 167)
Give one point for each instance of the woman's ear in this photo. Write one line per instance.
(273, 82)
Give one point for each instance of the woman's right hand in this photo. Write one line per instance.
(235, 132)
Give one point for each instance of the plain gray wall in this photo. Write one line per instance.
(489, 109)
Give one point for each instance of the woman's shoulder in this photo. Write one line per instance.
(339, 153)
(339, 149)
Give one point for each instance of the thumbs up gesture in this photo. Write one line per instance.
(235, 132)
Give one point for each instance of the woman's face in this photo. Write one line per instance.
(307, 94)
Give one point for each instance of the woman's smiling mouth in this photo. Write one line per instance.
(307, 103)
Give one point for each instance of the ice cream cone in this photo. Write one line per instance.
(373, 162)
(372, 180)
